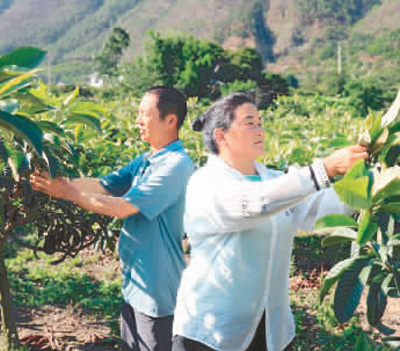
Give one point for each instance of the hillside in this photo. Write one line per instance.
(293, 36)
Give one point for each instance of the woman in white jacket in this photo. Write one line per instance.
(240, 219)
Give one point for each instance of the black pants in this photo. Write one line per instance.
(140, 332)
(180, 343)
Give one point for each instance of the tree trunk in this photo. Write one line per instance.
(9, 329)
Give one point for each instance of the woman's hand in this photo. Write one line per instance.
(57, 187)
(341, 160)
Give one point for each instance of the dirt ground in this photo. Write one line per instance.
(53, 328)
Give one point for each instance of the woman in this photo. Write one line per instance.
(240, 219)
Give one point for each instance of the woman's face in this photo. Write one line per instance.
(245, 137)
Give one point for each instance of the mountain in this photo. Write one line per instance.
(291, 35)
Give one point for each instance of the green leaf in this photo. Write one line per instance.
(378, 145)
(393, 140)
(367, 228)
(376, 129)
(340, 235)
(335, 220)
(350, 287)
(23, 57)
(354, 192)
(52, 127)
(71, 98)
(10, 71)
(16, 160)
(333, 276)
(392, 207)
(386, 183)
(338, 143)
(16, 84)
(52, 162)
(31, 104)
(86, 119)
(358, 170)
(377, 298)
(92, 107)
(23, 127)
(363, 343)
(392, 114)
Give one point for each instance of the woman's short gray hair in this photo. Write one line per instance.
(220, 115)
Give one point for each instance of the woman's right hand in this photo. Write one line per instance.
(341, 160)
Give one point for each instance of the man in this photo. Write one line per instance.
(148, 194)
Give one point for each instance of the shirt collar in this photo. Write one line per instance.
(176, 145)
(217, 162)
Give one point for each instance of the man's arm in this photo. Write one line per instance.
(87, 193)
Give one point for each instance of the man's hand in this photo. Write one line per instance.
(341, 160)
(57, 187)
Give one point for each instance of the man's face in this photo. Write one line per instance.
(151, 127)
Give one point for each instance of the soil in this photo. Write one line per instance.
(54, 328)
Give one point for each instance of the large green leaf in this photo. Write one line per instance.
(31, 104)
(26, 56)
(386, 183)
(358, 170)
(335, 220)
(17, 83)
(391, 207)
(377, 298)
(354, 192)
(350, 287)
(340, 235)
(367, 228)
(376, 128)
(23, 127)
(48, 126)
(334, 275)
(90, 121)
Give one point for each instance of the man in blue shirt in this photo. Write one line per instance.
(149, 194)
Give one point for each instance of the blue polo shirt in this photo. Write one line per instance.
(150, 250)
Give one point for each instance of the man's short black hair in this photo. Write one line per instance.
(170, 100)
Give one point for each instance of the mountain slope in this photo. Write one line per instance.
(73, 31)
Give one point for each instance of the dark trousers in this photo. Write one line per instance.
(180, 343)
(140, 332)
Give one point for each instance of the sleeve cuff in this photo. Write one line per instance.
(318, 175)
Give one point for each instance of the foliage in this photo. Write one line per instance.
(200, 68)
(339, 11)
(34, 133)
(365, 343)
(373, 189)
(108, 58)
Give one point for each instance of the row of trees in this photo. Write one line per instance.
(199, 68)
